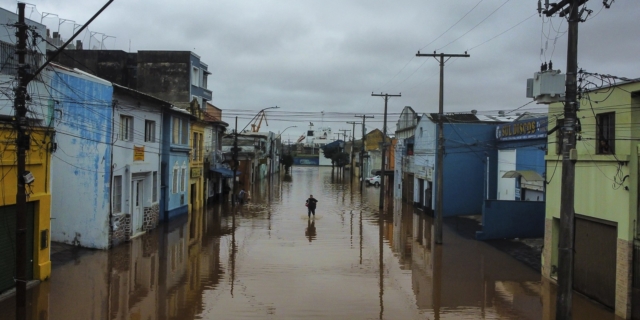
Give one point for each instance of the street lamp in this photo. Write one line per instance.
(281, 144)
(235, 151)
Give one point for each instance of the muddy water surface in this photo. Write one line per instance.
(268, 260)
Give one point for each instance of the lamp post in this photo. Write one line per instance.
(282, 145)
(235, 153)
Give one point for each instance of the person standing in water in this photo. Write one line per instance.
(311, 205)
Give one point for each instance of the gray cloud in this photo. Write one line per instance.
(330, 55)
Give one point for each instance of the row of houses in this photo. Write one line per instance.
(507, 169)
(119, 143)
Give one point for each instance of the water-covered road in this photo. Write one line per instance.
(269, 261)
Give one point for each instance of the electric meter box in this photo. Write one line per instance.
(546, 87)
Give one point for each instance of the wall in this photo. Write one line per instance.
(511, 219)
(466, 148)
(80, 210)
(165, 74)
(126, 165)
(112, 65)
(174, 155)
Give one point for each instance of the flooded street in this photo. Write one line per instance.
(269, 261)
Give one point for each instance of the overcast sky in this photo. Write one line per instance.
(311, 56)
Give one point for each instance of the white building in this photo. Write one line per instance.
(108, 145)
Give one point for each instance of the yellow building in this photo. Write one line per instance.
(606, 195)
(196, 170)
(38, 204)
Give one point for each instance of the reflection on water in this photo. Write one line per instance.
(255, 263)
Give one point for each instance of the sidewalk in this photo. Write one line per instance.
(527, 251)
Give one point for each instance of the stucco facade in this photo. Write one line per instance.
(606, 193)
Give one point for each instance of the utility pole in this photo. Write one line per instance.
(235, 165)
(566, 239)
(344, 135)
(353, 130)
(440, 157)
(383, 174)
(364, 139)
(23, 142)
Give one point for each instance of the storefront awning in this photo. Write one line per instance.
(528, 175)
(226, 173)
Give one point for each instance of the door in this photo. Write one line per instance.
(421, 188)
(506, 186)
(137, 210)
(595, 260)
(8, 245)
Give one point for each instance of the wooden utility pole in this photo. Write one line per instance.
(383, 174)
(440, 157)
(364, 139)
(352, 146)
(23, 141)
(566, 239)
(235, 165)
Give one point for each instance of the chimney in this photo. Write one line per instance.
(78, 45)
(56, 35)
(48, 33)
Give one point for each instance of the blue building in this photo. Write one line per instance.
(516, 209)
(469, 142)
(175, 163)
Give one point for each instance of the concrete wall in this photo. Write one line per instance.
(80, 210)
(165, 74)
(466, 147)
(112, 65)
(512, 219)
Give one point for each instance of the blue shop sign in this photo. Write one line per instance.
(522, 130)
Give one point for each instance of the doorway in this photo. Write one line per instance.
(137, 209)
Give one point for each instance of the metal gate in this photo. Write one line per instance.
(8, 245)
(595, 260)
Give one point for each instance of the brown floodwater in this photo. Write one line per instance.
(267, 260)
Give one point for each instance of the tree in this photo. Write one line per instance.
(340, 159)
(330, 152)
(287, 161)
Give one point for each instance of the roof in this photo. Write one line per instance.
(472, 118)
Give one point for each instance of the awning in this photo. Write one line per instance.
(225, 172)
(528, 175)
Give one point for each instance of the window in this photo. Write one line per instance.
(126, 128)
(194, 147)
(176, 177)
(117, 194)
(195, 77)
(559, 144)
(154, 193)
(183, 178)
(149, 131)
(175, 137)
(606, 131)
(185, 131)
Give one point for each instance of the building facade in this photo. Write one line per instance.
(108, 140)
(606, 244)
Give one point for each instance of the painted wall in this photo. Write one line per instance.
(606, 185)
(174, 155)
(424, 150)
(137, 165)
(39, 164)
(466, 148)
(80, 210)
(512, 219)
